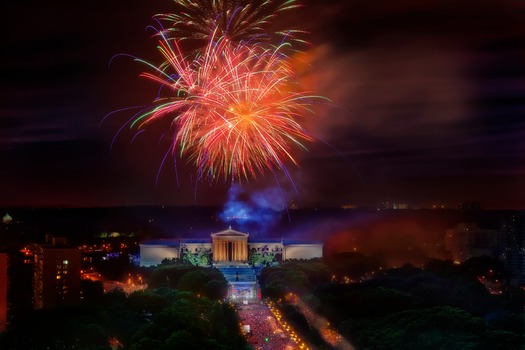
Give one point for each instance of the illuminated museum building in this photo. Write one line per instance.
(236, 256)
(228, 247)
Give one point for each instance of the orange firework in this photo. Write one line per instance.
(234, 109)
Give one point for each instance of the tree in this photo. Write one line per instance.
(486, 266)
(352, 264)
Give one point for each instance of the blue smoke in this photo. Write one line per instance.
(254, 212)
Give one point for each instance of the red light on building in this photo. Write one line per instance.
(3, 291)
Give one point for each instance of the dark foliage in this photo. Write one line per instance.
(161, 318)
(204, 281)
(442, 306)
(293, 276)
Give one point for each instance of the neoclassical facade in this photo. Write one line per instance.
(228, 247)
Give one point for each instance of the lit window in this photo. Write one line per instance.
(65, 262)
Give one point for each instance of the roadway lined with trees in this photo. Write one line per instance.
(437, 306)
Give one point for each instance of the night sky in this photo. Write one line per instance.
(428, 106)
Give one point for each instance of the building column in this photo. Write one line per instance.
(244, 258)
(222, 250)
(219, 250)
(239, 254)
(240, 250)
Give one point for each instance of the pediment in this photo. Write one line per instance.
(230, 233)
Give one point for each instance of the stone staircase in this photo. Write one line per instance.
(238, 273)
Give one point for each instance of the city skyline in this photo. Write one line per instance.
(426, 107)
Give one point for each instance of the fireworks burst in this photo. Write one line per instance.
(234, 104)
(237, 20)
(234, 109)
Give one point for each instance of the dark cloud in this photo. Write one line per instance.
(423, 91)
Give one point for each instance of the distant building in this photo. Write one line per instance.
(3, 291)
(227, 247)
(56, 279)
(511, 246)
(467, 240)
(7, 219)
(20, 289)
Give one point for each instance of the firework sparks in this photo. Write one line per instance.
(237, 20)
(234, 109)
(234, 103)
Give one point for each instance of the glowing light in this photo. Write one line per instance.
(233, 101)
(235, 109)
(236, 20)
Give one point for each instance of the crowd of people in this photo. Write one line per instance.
(265, 332)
